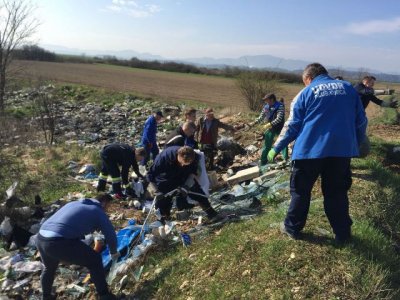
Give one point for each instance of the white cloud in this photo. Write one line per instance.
(133, 8)
(375, 26)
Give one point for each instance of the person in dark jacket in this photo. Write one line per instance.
(113, 156)
(207, 135)
(59, 240)
(175, 168)
(182, 136)
(273, 114)
(149, 136)
(365, 90)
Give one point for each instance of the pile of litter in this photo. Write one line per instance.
(138, 233)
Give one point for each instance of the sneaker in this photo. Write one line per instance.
(217, 218)
(294, 236)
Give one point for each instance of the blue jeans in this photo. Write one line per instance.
(335, 182)
(54, 250)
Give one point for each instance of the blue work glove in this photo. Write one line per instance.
(271, 155)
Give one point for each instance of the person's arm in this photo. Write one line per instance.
(146, 132)
(292, 127)
(159, 166)
(361, 122)
(261, 117)
(280, 116)
(225, 126)
(368, 94)
(108, 230)
(135, 168)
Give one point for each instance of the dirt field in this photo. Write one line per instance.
(164, 85)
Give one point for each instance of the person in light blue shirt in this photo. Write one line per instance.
(327, 122)
(59, 240)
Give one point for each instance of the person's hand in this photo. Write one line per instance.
(394, 104)
(115, 256)
(267, 126)
(271, 155)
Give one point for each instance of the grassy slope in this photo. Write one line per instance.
(252, 260)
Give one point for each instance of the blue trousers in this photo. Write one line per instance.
(335, 182)
(153, 152)
(55, 250)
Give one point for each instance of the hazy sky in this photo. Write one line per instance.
(341, 33)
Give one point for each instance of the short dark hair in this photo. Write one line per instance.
(187, 153)
(368, 77)
(103, 198)
(141, 151)
(313, 70)
(270, 96)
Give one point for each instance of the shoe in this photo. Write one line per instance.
(294, 236)
(341, 240)
(217, 218)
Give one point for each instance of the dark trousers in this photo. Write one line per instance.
(109, 167)
(165, 205)
(335, 182)
(209, 152)
(153, 152)
(54, 250)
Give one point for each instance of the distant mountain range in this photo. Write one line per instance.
(249, 61)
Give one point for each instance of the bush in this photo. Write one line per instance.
(254, 85)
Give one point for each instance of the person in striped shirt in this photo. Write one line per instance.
(273, 114)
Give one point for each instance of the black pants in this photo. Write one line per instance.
(54, 250)
(209, 153)
(335, 182)
(166, 204)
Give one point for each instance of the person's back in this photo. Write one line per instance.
(325, 118)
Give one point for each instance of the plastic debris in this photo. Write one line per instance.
(11, 190)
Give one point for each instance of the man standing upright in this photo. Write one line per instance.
(149, 136)
(328, 122)
(207, 134)
(365, 90)
(273, 114)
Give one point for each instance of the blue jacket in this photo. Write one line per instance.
(149, 131)
(326, 119)
(76, 219)
(167, 174)
(274, 114)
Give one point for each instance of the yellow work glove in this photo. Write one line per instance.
(267, 126)
(271, 155)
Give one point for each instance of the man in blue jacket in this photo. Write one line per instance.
(149, 136)
(328, 122)
(59, 240)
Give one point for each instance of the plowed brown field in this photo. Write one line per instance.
(163, 85)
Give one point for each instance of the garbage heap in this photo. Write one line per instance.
(139, 233)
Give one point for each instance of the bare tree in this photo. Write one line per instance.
(45, 107)
(254, 85)
(17, 26)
